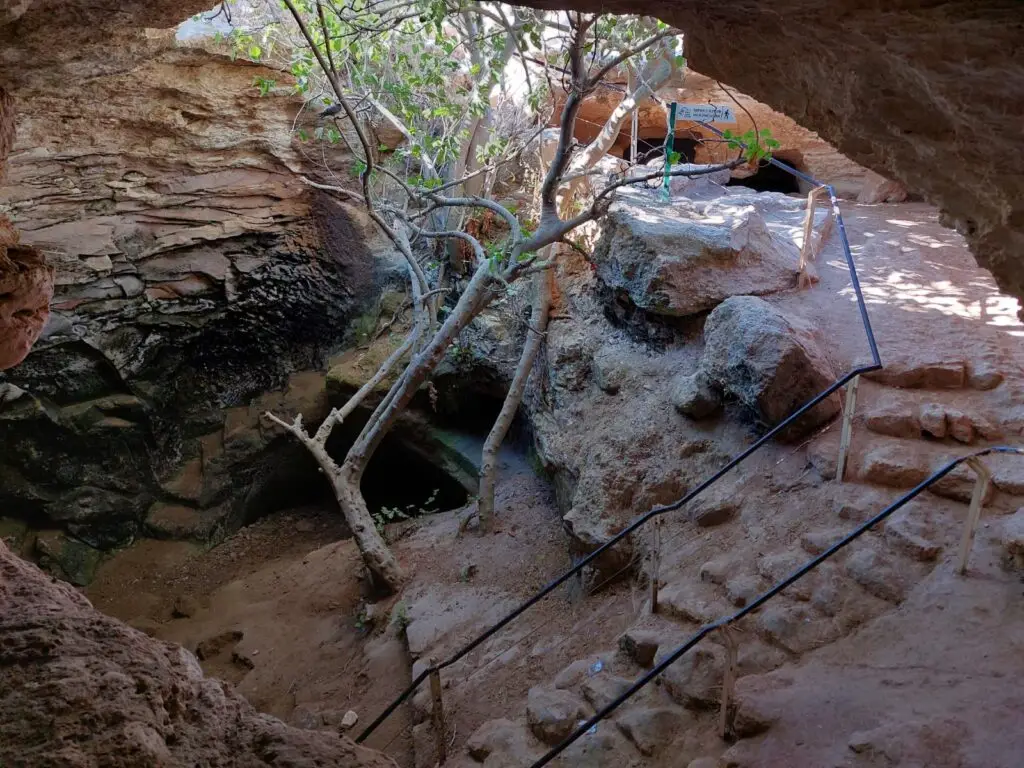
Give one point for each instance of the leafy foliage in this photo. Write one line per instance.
(387, 515)
(756, 145)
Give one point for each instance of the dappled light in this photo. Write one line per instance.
(915, 266)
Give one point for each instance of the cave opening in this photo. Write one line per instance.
(768, 178)
(401, 477)
(407, 473)
(653, 148)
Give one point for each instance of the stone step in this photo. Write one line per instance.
(907, 415)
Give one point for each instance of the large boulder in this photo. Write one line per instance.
(770, 363)
(667, 260)
(80, 688)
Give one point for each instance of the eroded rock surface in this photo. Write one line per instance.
(889, 88)
(80, 688)
(195, 273)
(768, 362)
(674, 265)
(26, 281)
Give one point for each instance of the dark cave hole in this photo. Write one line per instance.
(462, 411)
(653, 148)
(769, 178)
(398, 476)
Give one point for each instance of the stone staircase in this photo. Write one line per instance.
(901, 436)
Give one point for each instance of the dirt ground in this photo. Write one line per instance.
(277, 609)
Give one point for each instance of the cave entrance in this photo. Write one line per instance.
(414, 470)
(769, 178)
(407, 477)
(653, 148)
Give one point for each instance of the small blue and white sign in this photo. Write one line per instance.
(705, 113)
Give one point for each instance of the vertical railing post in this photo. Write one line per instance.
(728, 712)
(437, 715)
(847, 433)
(655, 565)
(974, 511)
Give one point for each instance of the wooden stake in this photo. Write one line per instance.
(437, 715)
(847, 434)
(974, 511)
(728, 711)
(655, 565)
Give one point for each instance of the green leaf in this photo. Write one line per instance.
(255, 51)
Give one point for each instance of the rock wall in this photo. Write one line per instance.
(80, 688)
(194, 274)
(929, 94)
(26, 282)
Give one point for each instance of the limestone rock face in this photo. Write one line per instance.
(766, 361)
(136, 700)
(26, 282)
(676, 265)
(194, 273)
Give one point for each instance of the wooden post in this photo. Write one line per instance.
(655, 565)
(633, 130)
(974, 511)
(847, 433)
(728, 711)
(437, 715)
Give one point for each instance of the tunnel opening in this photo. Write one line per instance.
(428, 462)
(653, 148)
(768, 178)
(407, 472)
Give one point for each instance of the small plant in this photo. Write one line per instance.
(756, 145)
(400, 615)
(263, 84)
(393, 514)
(362, 620)
(461, 354)
(387, 515)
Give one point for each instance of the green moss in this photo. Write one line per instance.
(67, 558)
(13, 533)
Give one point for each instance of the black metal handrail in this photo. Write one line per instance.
(809, 566)
(660, 510)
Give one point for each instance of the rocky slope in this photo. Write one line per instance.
(80, 688)
(194, 273)
(618, 431)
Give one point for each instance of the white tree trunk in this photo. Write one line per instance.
(534, 336)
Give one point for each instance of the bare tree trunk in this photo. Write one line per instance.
(478, 294)
(656, 76)
(534, 337)
(384, 571)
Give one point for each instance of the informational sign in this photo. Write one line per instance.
(705, 113)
